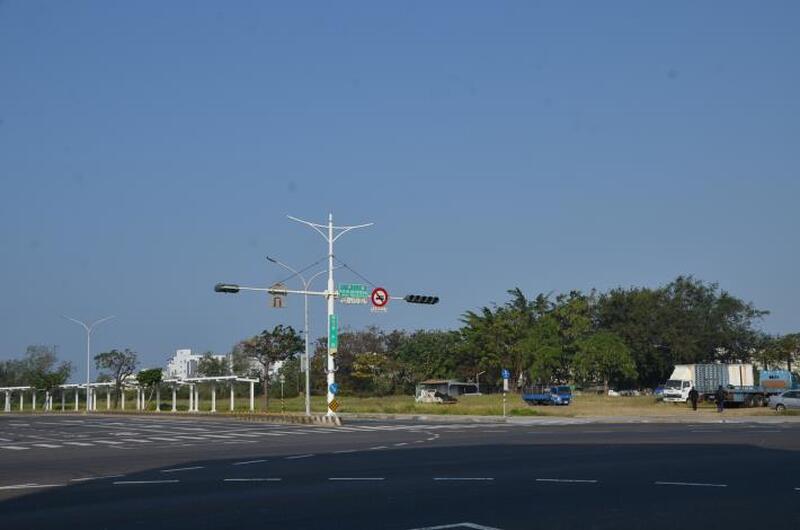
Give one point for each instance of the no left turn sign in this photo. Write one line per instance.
(379, 297)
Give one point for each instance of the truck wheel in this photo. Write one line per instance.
(780, 408)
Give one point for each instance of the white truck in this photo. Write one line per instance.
(706, 378)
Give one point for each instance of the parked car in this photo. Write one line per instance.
(786, 400)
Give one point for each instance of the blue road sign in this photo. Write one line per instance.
(506, 374)
(334, 388)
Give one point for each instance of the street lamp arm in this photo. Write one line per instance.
(80, 323)
(345, 229)
(315, 226)
(96, 322)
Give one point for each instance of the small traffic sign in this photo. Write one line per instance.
(379, 297)
(506, 374)
(334, 388)
(334, 405)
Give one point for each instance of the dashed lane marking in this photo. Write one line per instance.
(28, 486)
(568, 480)
(378, 448)
(79, 444)
(694, 484)
(257, 479)
(86, 479)
(14, 448)
(48, 446)
(297, 457)
(465, 478)
(355, 478)
(137, 440)
(179, 469)
(247, 462)
(127, 482)
(161, 439)
(107, 442)
(345, 451)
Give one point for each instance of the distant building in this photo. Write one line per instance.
(184, 364)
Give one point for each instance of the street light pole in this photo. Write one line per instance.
(331, 236)
(89, 328)
(306, 284)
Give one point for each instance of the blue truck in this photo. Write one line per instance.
(547, 395)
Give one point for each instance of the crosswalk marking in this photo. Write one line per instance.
(47, 446)
(14, 447)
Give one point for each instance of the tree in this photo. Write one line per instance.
(40, 369)
(150, 379)
(270, 347)
(212, 366)
(604, 357)
(120, 364)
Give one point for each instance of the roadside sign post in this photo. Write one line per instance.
(506, 374)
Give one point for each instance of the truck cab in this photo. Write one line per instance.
(677, 390)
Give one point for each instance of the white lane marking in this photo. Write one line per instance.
(5, 440)
(28, 486)
(20, 424)
(247, 462)
(378, 447)
(124, 482)
(178, 469)
(400, 444)
(344, 451)
(251, 480)
(164, 439)
(761, 432)
(696, 484)
(355, 478)
(298, 456)
(473, 526)
(249, 435)
(463, 478)
(84, 479)
(291, 432)
(705, 430)
(79, 444)
(568, 480)
(14, 448)
(226, 436)
(137, 440)
(109, 442)
(47, 446)
(269, 434)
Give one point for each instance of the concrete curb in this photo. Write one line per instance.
(556, 420)
(315, 419)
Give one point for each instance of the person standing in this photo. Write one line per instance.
(693, 396)
(719, 397)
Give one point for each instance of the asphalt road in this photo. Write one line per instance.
(161, 472)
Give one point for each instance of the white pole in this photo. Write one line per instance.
(34, 400)
(94, 399)
(122, 393)
(88, 328)
(331, 379)
(46, 400)
(233, 397)
(213, 397)
(21, 399)
(7, 407)
(108, 398)
(76, 399)
(174, 399)
(191, 398)
(252, 397)
(158, 398)
(63, 399)
(308, 367)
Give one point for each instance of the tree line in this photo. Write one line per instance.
(624, 337)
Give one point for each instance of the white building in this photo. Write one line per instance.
(184, 364)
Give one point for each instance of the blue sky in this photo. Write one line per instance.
(151, 149)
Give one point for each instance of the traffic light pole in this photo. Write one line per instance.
(331, 236)
(331, 233)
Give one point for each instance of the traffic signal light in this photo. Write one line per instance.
(226, 288)
(421, 299)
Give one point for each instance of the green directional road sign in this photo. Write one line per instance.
(353, 293)
(333, 334)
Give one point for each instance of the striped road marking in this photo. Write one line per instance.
(568, 480)
(695, 484)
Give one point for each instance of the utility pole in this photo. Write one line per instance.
(330, 295)
(89, 328)
(380, 298)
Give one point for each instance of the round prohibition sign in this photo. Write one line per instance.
(379, 297)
